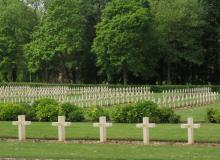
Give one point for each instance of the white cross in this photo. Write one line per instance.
(190, 127)
(21, 127)
(61, 127)
(102, 128)
(146, 125)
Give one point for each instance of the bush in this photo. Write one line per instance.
(167, 115)
(9, 112)
(72, 112)
(46, 109)
(29, 112)
(133, 113)
(213, 115)
(93, 113)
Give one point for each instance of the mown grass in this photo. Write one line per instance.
(198, 113)
(49, 150)
(162, 132)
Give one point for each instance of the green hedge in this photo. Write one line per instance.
(133, 113)
(41, 110)
(11, 111)
(93, 113)
(49, 110)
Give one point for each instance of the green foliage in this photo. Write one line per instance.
(9, 112)
(168, 115)
(72, 112)
(133, 113)
(135, 41)
(60, 43)
(93, 113)
(46, 109)
(213, 115)
(211, 40)
(179, 28)
(124, 38)
(15, 32)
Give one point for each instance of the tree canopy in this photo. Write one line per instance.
(114, 41)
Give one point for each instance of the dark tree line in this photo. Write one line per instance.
(110, 41)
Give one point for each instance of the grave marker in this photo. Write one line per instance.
(146, 125)
(21, 123)
(61, 127)
(102, 128)
(190, 126)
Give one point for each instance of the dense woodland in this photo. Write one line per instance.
(110, 41)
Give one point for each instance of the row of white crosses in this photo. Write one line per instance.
(186, 91)
(103, 125)
(187, 97)
(106, 99)
(26, 94)
(82, 96)
(105, 96)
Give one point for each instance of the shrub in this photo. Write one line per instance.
(9, 112)
(29, 112)
(213, 115)
(133, 113)
(167, 115)
(93, 113)
(46, 109)
(72, 112)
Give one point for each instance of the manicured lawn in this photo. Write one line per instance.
(162, 132)
(198, 113)
(52, 150)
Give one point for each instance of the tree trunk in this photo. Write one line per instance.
(125, 77)
(14, 74)
(168, 73)
(46, 74)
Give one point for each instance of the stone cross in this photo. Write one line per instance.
(61, 127)
(102, 128)
(21, 123)
(146, 125)
(190, 127)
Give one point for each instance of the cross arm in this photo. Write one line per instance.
(61, 123)
(102, 124)
(141, 125)
(190, 125)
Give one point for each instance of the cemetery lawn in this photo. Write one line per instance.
(198, 113)
(55, 150)
(162, 132)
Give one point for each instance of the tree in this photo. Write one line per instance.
(123, 39)
(210, 39)
(179, 28)
(14, 34)
(60, 43)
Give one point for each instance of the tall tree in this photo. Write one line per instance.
(179, 27)
(14, 34)
(211, 67)
(60, 43)
(123, 39)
